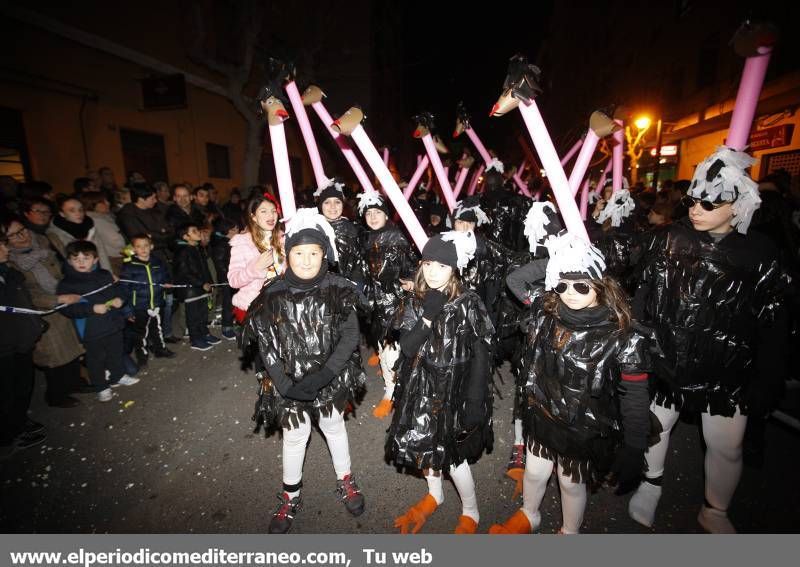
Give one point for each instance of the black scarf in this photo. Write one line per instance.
(76, 230)
(584, 318)
(299, 283)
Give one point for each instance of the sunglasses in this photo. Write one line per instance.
(581, 287)
(689, 202)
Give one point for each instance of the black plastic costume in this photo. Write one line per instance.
(298, 332)
(437, 387)
(619, 247)
(506, 210)
(389, 257)
(485, 273)
(348, 243)
(718, 310)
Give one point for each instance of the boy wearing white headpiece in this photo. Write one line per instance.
(714, 294)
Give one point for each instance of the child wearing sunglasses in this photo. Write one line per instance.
(585, 405)
(443, 402)
(713, 292)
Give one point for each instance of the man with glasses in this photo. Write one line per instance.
(37, 214)
(713, 292)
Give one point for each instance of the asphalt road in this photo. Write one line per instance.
(176, 453)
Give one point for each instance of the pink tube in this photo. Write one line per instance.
(584, 199)
(308, 133)
(552, 166)
(421, 167)
(462, 175)
(479, 146)
(521, 186)
(419, 158)
(473, 183)
(390, 186)
(344, 145)
(283, 174)
(582, 162)
(520, 170)
(755, 68)
(386, 156)
(616, 157)
(571, 152)
(447, 173)
(438, 168)
(602, 181)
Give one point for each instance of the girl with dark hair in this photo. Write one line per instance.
(585, 408)
(443, 402)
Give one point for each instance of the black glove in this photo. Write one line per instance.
(470, 443)
(473, 416)
(432, 304)
(317, 380)
(301, 394)
(629, 464)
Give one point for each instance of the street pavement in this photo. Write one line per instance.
(177, 453)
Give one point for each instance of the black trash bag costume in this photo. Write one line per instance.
(436, 387)
(297, 331)
(351, 263)
(506, 210)
(389, 256)
(718, 311)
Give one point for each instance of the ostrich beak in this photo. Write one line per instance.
(494, 109)
(280, 113)
(417, 133)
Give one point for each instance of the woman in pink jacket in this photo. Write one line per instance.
(256, 254)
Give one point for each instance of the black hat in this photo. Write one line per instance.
(454, 249)
(371, 200)
(307, 226)
(469, 210)
(333, 189)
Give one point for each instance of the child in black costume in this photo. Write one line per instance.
(443, 402)
(351, 265)
(586, 405)
(306, 326)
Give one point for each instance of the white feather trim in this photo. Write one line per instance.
(618, 208)
(497, 165)
(465, 244)
(571, 253)
(310, 218)
(327, 183)
(732, 184)
(535, 221)
(479, 214)
(367, 199)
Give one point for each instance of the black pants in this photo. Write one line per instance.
(16, 387)
(227, 306)
(62, 380)
(197, 319)
(147, 331)
(104, 354)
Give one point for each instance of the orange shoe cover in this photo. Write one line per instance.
(416, 516)
(383, 409)
(466, 525)
(516, 524)
(374, 360)
(516, 475)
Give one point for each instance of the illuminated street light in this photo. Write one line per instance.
(642, 123)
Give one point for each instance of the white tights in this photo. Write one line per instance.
(723, 461)
(295, 441)
(388, 356)
(465, 486)
(573, 494)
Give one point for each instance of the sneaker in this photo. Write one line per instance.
(164, 353)
(130, 366)
(28, 440)
(517, 459)
(125, 381)
(350, 494)
(643, 503)
(33, 427)
(200, 344)
(105, 395)
(283, 517)
(228, 334)
(212, 340)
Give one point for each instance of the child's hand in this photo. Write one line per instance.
(166, 285)
(407, 285)
(265, 260)
(207, 287)
(100, 308)
(116, 303)
(132, 319)
(68, 298)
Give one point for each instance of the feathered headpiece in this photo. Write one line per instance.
(721, 177)
(618, 208)
(465, 245)
(308, 226)
(370, 200)
(330, 188)
(470, 210)
(572, 255)
(522, 79)
(496, 165)
(541, 222)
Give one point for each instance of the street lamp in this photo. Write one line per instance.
(642, 123)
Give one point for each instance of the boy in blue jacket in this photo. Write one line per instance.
(146, 298)
(98, 318)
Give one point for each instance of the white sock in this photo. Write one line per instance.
(518, 440)
(573, 503)
(292, 495)
(336, 436)
(388, 357)
(435, 487)
(465, 485)
(534, 485)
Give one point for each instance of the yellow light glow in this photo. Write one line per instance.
(643, 122)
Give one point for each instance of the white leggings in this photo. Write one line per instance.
(295, 441)
(723, 462)
(534, 485)
(465, 486)
(388, 356)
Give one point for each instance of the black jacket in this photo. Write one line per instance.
(220, 248)
(190, 267)
(153, 273)
(351, 255)
(94, 326)
(18, 333)
(132, 221)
